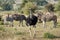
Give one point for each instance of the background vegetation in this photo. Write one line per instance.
(22, 33)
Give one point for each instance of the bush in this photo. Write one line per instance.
(48, 35)
(28, 5)
(7, 7)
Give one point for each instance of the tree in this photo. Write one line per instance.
(28, 5)
(41, 2)
(7, 7)
(33, 4)
(23, 3)
(5, 3)
(38, 2)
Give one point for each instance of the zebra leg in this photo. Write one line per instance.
(19, 23)
(12, 24)
(22, 24)
(55, 24)
(44, 24)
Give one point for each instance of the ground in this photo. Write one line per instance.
(22, 33)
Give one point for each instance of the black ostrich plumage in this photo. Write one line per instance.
(31, 21)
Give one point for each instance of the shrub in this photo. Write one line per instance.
(7, 7)
(48, 35)
(28, 5)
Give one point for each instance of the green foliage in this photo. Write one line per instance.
(23, 3)
(7, 7)
(57, 6)
(6, 4)
(48, 35)
(42, 2)
(39, 2)
(28, 5)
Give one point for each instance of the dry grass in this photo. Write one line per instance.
(22, 33)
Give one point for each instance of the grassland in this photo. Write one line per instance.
(22, 33)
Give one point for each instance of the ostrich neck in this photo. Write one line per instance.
(30, 14)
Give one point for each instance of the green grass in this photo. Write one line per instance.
(22, 33)
(49, 35)
(1, 23)
(19, 33)
(2, 29)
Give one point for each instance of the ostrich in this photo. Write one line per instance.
(31, 20)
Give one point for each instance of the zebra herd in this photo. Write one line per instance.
(31, 19)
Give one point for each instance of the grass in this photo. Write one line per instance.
(2, 29)
(49, 35)
(19, 33)
(22, 33)
(1, 23)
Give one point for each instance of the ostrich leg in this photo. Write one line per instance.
(34, 35)
(30, 31)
